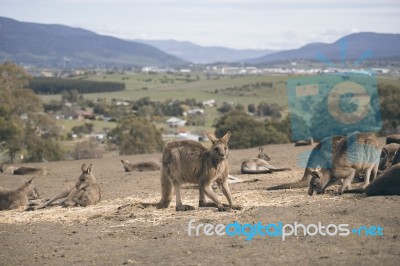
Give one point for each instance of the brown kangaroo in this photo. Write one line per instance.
(259, 165)
(358, 152)
(321, 155)
(395, 138)
(23, 170)
(386, 184)
(307, 142)
(85, 192)
(188, 161)
(387, 155)
(141, 167)
(12, 199)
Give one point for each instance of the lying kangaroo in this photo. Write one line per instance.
(23, 170)
(259, 165)
(12, 199)
(387, 155)
(358, 152)
(386, 184)
(85, 192)
(188, 161)
(395, 138)
(28, 170)
(8, 169)
(321, 155)
(304, 142)
(141, 167)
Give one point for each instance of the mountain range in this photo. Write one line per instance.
(50, 45)
(205, 54)
(354, 47)
(60, 46)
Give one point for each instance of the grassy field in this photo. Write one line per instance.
(197, 85)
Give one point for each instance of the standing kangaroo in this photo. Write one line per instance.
(12, 199)
(85, 192)
(188, 161)
(321, 155)
(386, 184)
(358, 152)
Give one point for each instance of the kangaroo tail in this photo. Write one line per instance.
(356, 191)
(298, 184)
(253, 172)
(280, 169)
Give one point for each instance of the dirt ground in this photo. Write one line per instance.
(120, 230)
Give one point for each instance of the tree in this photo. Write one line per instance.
(247, 132)
(22, 125)
(88, 149)
(134, 135)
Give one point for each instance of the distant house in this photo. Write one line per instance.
(210, 103)
(84, 115)
(196, 111)
(176, 122)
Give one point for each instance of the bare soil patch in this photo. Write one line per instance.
(124, 229)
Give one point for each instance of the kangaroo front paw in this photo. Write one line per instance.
(184, 208)
(236, 207)
(223, 208)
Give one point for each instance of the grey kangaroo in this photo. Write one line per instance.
(259, 165)
(358, 152)
(85, 192)
(141, 167)
(387, 155)
(321, 155)
(188, 161)
(12, 199)
(386, 184)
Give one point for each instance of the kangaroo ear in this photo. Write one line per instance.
(83, 167)
(260, 149)
(212, 137)
(226, 137)
(30, 181)
(122, 161)
(90, 168)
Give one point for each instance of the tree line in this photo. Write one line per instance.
(58, 86)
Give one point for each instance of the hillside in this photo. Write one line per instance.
(358, 46)
(60, 46)
(202, 54)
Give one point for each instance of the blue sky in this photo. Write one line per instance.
(273, 24)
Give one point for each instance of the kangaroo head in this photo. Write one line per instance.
(262, 155)
(32, 191)
(85, 178)
(219, 147)
(317, 182)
